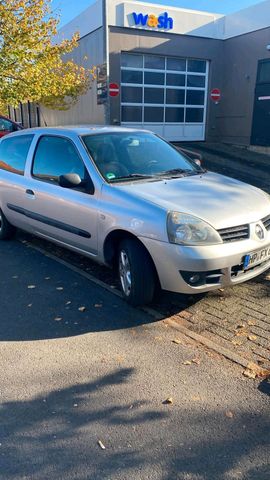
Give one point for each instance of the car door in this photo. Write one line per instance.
(67, 215)
(14, 151)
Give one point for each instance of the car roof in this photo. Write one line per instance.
(80, 130)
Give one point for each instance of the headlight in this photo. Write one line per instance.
(188, 230)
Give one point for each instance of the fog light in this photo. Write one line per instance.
(194, 278)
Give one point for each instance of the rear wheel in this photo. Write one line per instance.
(6, 229)
(136, 273)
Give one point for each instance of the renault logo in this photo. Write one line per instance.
(259, 231)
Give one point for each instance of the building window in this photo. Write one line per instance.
(131, 95)
(175, 79)
(157, 89)
(195, 97)
(131, 76)
(154, 114)
(196, 66)
(177, 64)
(154, 95)
(154, 62)
(154, 78)
(129, 60)
(174, 115)
(194, 115)
(132, 114)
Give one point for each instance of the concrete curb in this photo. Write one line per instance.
(229, 354)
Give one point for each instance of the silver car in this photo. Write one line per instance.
(128, 199)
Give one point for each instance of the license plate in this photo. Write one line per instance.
(255, 258)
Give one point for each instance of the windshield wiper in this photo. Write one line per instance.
(180, 171)
(134, 175)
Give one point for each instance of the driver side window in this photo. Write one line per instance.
(56, 156)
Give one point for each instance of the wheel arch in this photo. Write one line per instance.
(112, 242)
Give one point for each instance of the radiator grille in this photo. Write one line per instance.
(266, 222)
(234, 234)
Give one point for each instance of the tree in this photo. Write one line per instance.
(33, 65)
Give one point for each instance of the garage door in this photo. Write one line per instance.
(164, 94)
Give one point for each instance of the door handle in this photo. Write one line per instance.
(29, 192)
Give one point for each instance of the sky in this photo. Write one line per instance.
(70, 8)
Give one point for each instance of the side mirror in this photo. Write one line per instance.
(70, 180)
(73, 180)
(198, 162)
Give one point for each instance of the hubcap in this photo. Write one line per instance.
(124, 272)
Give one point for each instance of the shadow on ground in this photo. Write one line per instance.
(42, 299)
(56, 436)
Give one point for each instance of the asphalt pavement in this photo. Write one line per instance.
(81, 370)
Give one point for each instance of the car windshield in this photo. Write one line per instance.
(125, 156)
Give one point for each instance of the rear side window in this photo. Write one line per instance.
(13, 153)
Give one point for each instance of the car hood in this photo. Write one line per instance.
(219, 200)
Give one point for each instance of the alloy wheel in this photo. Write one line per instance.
(124, 272)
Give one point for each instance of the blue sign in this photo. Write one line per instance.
(163, 21)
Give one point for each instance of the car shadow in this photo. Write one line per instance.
(264, 386)
(43, 299)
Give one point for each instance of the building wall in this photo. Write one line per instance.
(86, 109)
(240, 58)
(185, 21)
(132, 40)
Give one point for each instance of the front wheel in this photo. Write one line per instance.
(6, 229)
(136, 273)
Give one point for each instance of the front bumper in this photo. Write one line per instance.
(220, 265)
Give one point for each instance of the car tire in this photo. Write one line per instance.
(6, 229)
(136, 273)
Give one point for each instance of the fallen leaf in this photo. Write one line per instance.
(241, 332)
(187, 362)
(197, 361)
(221, 289)
(47, 278)
(15, 276)
(120, 358)
(59, 288)
(102, 446)
(168, 401)
(196, 398)
(82, 309)
(58, 319)
(251, 323)
(29, 305)
(249, 373)
(31, 286)
(98, 305)
(252, 337)
(229, 414)
(68, 303)
(237, 343)
(75, 405)
(177, 341)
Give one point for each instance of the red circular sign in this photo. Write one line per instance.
(215, 94)
(114, 89)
